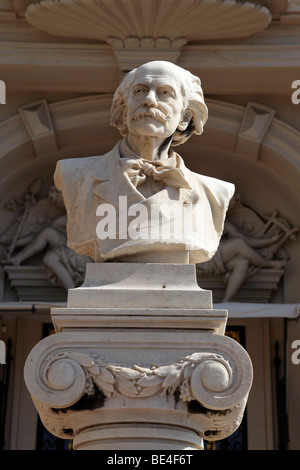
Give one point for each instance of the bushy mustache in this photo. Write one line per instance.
(150, 112)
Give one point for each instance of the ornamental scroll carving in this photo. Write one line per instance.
(211, 385)
(195, 377)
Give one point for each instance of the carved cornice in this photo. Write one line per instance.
(92, 68)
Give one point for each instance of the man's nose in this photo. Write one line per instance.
(150, 99)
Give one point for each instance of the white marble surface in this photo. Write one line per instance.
(139, 377)
(140, 285)
(143, 182)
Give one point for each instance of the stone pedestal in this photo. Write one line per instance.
(139, 361)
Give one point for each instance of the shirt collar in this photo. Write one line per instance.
(127, 152)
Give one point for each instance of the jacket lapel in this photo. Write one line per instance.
(110, 182)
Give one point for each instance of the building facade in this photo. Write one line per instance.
(59, 68)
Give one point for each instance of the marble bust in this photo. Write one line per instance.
(139, 202)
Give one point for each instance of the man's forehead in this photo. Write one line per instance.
(157, 76)
(157, 80)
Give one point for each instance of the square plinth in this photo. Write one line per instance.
(140, 285)
(139, 295)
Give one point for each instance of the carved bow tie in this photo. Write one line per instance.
(139, 169)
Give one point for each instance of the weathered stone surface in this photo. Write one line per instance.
(140, 360)
(139, 378)
(150, 203)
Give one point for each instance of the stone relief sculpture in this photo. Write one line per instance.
(157, 106)
(34, 214)
(248, 243)
(41, 229)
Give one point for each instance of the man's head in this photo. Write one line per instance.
(160, 99)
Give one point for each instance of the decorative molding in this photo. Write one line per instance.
(32, 285)
(132, 51)
(258, 288)
(37, 120)
(93, 68)
(257, 118)
(275, 6)
(214, 382)
(259, 310)
(166, 375)
(200, 376)
(193, 20)
(148, 25)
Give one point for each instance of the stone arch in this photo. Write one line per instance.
(81, 127)
(265, 168)
(274, 162)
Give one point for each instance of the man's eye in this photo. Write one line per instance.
(166, 93)
(139, 91)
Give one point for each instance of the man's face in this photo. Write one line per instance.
(155, 104)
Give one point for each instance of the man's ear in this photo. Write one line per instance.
(185, 120)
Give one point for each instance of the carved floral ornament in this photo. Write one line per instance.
(199, 376)
(215, 383)
(217, 380)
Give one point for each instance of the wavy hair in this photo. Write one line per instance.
(193, 100)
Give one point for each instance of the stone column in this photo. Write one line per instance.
(139, 361)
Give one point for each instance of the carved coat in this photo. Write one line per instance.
(88, 182)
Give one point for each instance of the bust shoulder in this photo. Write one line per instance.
(72, 171)
(221, 190)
